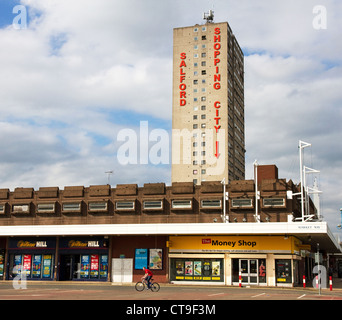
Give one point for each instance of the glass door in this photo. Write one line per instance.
(249, 271)
(253, 271)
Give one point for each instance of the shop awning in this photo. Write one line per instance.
(309, 233)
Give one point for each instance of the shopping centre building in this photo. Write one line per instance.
(186, 233)
(203, 228)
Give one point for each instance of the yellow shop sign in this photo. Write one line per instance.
(278, 244)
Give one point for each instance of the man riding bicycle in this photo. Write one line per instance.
(148, 276)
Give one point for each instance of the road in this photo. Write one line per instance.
(107, 291)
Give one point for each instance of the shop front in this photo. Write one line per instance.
(229, 260)
(83, 258)
(33, 258)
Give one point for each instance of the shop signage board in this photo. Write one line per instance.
(235, 244)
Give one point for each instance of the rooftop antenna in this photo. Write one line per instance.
(209, 16)
(110, 172)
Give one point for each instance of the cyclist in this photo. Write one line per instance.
(148, 276)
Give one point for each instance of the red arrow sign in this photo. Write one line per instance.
(217, 150)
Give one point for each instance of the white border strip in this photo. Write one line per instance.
(275, 228)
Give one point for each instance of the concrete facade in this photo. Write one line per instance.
(208, 142)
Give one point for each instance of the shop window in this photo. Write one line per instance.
(98, 206)
(196, 269)
(33, 266)
(72, 207)
(211, 203)
(283, 271)
(153, 205)
(46, 208)
(274, 202)
(2, 208)
(181, 204)
(125, 205)
(241, 203)
(21, 208)
(84, 267)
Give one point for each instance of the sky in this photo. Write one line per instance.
(75, 74)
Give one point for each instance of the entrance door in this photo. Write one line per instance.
(249, 271)
(65, 272)
(122, 270)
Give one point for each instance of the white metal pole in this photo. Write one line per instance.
(301, 180)
(225, 218)
(256, 189)
(302, 145)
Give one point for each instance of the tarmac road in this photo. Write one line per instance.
(107, 291)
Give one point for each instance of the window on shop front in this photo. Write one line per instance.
(283, 271)
(83, 267)
(183, 269)
(34, 266)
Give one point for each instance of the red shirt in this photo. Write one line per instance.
(149, 272)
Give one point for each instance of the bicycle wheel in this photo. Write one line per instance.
(155, 287)
(140, 286)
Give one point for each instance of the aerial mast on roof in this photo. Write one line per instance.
(209, 16)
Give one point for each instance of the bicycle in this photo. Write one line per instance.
(141, 285)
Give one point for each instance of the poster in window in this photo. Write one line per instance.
(104, 266)
(17, 264)
(47, 262)
(37, 266)
(156, 259)
(215, 267)
(179, 267)
(197, 268)
(2, 259)
(283, 271)
(141, 257)
(94, 266)
(84, 273)
(27, 264)
(188, 268)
